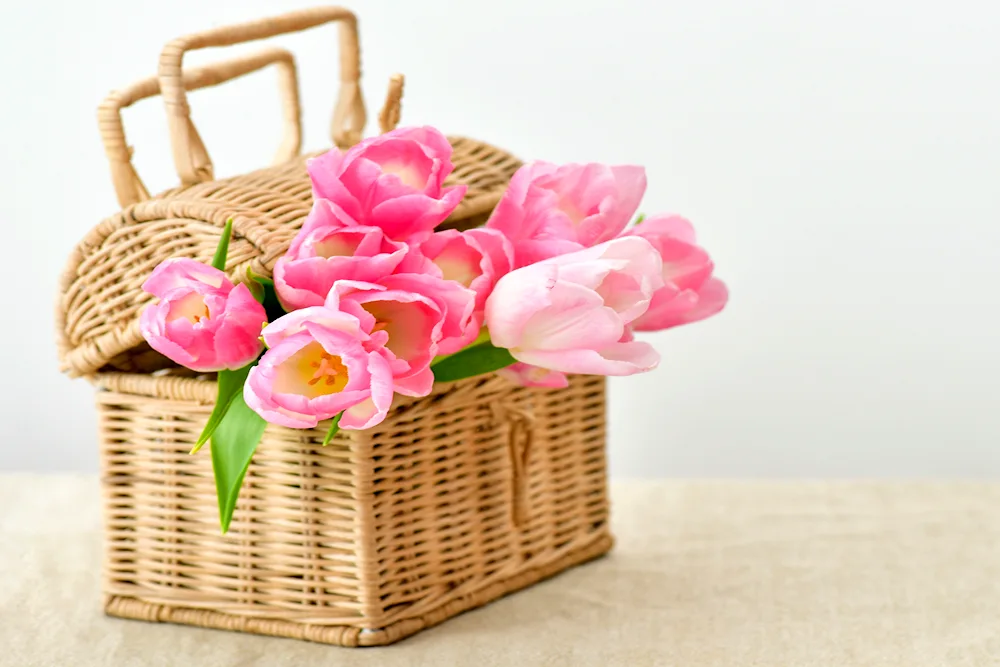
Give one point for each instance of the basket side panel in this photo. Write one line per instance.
(291, 551)
(447, 489)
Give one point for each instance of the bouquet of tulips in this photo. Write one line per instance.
(371, 301)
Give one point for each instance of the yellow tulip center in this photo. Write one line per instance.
(191, 307)
(330, 369)
(571, 210)
(311, 372)
(404, 172)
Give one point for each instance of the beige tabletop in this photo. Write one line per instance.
(703, 573)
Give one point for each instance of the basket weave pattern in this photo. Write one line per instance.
(479, 489)
(455, 499)
(99, 310)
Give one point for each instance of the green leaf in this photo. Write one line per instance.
(256, 289)
(483, 337)
(219, 260)
(642, 216)
(233, 444)
(475, 360)
(334, 427)
(230, 384)
(257, 278)
(272, 306)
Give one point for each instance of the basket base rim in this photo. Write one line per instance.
(350, 636)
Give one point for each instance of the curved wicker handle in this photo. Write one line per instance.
(128, 186)
(190, 157)
(388, 118)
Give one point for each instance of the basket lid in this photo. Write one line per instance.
(100, 291)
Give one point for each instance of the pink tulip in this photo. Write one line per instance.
(526, 375)
(320, 363)
(572, 313)
(690, 293)
(202, 321)
(416, 317)
(551, 210)
(336, 249)
(476, 259)
(394, 181)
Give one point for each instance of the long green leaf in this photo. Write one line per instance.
(219, 260)
(475, 360)
(230, 384)
(334, 427)
(233, 444)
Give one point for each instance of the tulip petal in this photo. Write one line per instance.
(324, 217)
(256, 388)
(418, 383)
(372, 410)
(576, 317)
(525, 375)
(414, 216)
(615, 359)
(455, 303)
(325, 172)
(295, 322)
(666, 225)
(515, 299)
(495, 248)
(631, 182)
(671, 308)
(178, 272)
(237, 338)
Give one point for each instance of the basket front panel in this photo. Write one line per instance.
(376, 533)
(291, 551)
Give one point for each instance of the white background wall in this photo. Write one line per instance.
(840, 160)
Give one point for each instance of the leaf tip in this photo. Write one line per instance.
(222, 250)
(334, 428)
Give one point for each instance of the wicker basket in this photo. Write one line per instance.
(457, 498)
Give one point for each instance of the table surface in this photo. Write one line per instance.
(703, 573)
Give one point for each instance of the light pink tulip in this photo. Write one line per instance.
(202, 321)
(572, 313)
(322, 254)
(416, 317)
(476, 259)
(320, 363)
(526, 375)
(394, 181)
(689, 293)
(550, 210)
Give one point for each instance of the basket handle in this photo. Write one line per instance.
(128, 186)
(190, 157)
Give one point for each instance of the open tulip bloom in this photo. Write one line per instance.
(370, 301)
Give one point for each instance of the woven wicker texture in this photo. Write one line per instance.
(365, 541)
(457, 498)
(101, 296)
(98, 313)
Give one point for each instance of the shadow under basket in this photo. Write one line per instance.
(456, 499)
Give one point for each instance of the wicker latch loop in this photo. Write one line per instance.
(520, 435)
(388, 119)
